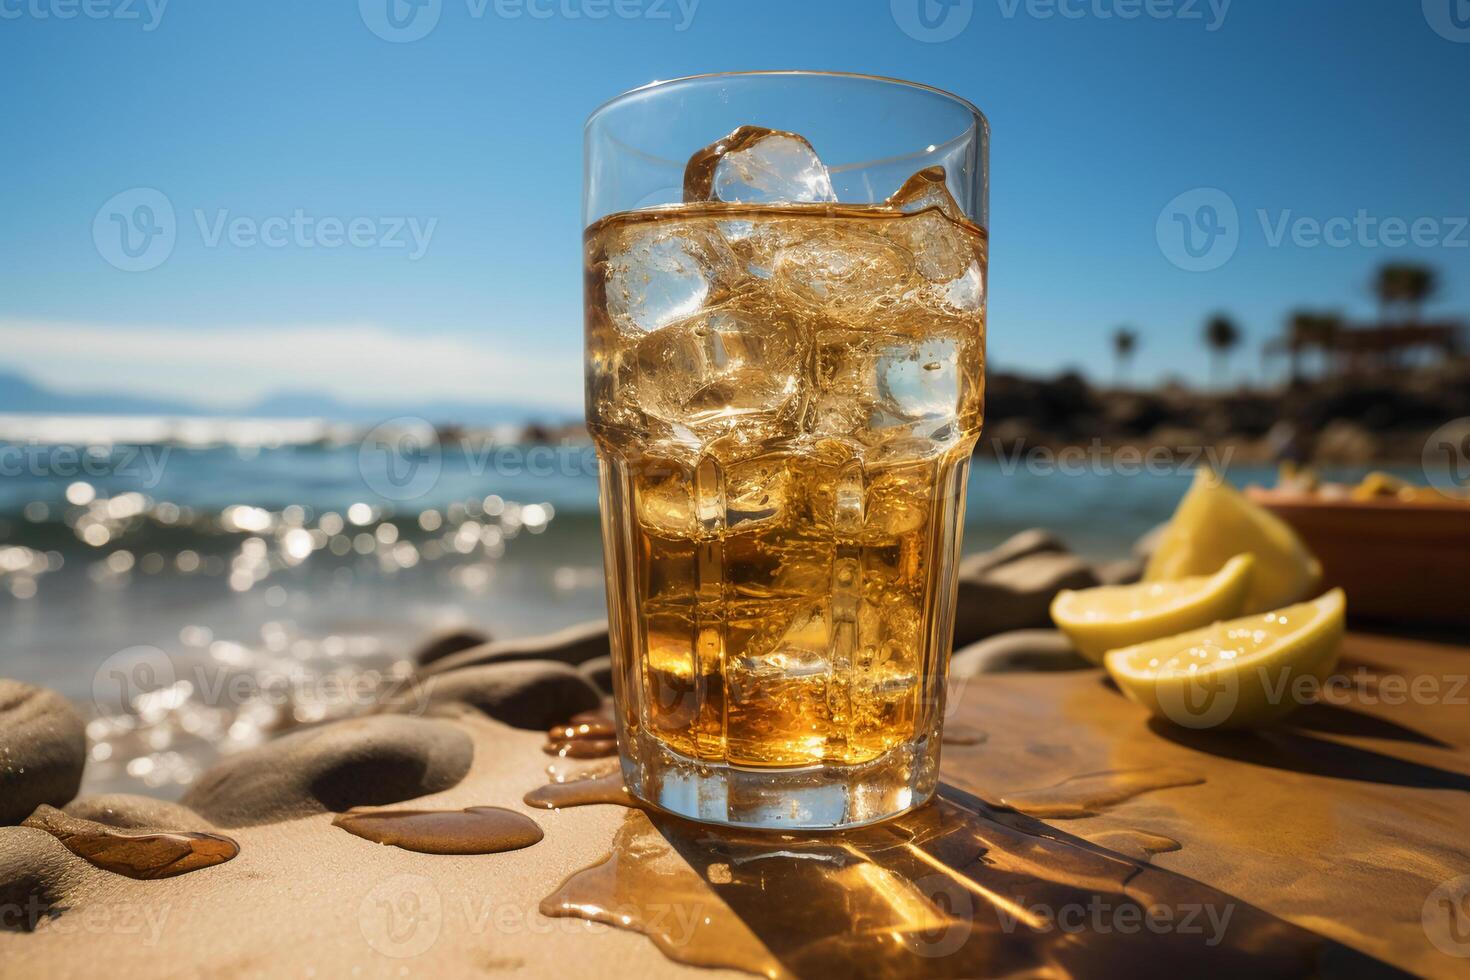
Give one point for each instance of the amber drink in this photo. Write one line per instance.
(785, 388)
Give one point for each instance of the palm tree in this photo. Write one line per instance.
(1125, 342)
(1222, 336)
(1307, 329)
(1405, 286)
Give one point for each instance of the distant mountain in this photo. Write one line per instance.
(18, 394)
(21, 395)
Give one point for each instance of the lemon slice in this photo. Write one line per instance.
(1244, 672)
(1112, 616)
(1214, 522)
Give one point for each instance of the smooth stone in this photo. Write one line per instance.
(534, 694)
(573, 645)
(126, 811)
(599, 671)
(1036, 541)
(449, 641)
(1019, 650)
(36, 875)
(139, 854)
(1124, 571)
(1016, 595)
(368, 761)
(43, 749)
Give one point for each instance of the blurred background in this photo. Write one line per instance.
(290, 301)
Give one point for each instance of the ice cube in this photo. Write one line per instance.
(756, 490)
(876, 387)
(755, 165)
(925, 190)
(853, 275)
(665, 496)
(965, 294)
(712, 370)
(920, 380)
(655, 275)
(898, 503)
(931, 231)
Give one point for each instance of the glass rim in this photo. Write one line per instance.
(644, 89)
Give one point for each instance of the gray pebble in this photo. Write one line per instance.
(1036, 541)
(43, 748)
(531, 694)
(1016, 595)
(128, 812)
(574, 645)
(450, 641)
(1021, 650)
(368, 761)
(599, 671)
(1124, 571)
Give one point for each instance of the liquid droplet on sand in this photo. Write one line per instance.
(958, 733)
(953, 889)
(583, 792)
(588, 735)
(473, 830)
(571, 770)
(1137, 844)
(134, 853)
(1087, 795)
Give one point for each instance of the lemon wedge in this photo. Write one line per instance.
(1236, 674)
(1215, 522)
(1112, 616)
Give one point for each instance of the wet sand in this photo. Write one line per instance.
(1340, 825)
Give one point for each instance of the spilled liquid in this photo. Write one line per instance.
(583, 792)
(1087, 795)
(569, 770)
(953, 889)
(473, 830)
(589, 735)
(134, 854)
(958, 733)
(1137, 844)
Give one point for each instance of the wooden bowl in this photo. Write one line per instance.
(1399, 562)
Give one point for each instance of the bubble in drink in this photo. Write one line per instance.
(785, 392)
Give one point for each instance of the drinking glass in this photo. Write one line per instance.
(785, 322)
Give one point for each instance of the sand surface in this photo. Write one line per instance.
(1344, 822)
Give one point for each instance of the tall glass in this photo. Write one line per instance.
(785, 299)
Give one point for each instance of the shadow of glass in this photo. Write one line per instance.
(953, 889)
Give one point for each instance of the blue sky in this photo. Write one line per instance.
(1317, 109)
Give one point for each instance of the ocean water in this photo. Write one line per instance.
(194, 600)
(128, 545)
